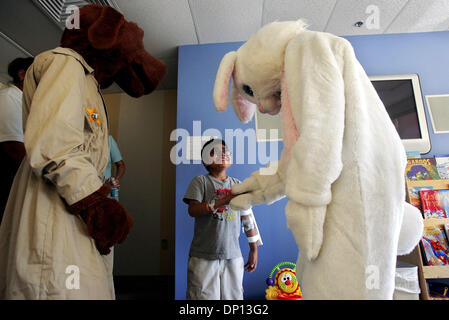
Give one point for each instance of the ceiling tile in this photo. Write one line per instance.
(167, 24)
(28, 26)
(171, 23)
(422, 16)
(226, 20)
(314, 13)
(346, 13)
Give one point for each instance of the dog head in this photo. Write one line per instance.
(114, 48)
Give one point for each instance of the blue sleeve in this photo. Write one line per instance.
(114, 151)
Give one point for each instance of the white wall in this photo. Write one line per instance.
(140, 140)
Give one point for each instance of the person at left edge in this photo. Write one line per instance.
(59, 225)
(115, 158)
(12, 149)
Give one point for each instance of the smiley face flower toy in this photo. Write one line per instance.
(285, 286)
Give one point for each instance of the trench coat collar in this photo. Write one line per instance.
(76, 55)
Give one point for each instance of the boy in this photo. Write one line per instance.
(215, 267)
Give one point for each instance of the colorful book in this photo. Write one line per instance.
(444, 200)
(442, 164)
(435, 246)
(431, 204)
(415, 199)
(421, 169)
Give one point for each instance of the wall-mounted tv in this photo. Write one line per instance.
(402, 97)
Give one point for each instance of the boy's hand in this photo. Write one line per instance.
(265, 185)
(228, 198)
(115, 183)
(224, 201)
(251, 265)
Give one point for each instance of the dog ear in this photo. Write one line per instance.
(103, 33)
(221, 86)
(142, 76)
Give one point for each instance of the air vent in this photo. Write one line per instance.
(57, 9)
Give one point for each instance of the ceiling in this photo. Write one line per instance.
(26, 30)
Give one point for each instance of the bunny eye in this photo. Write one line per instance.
(248, 90)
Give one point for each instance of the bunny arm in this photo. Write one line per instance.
(265, 185)
(313, 89)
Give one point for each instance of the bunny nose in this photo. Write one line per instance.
(262, 110)
(288, 282)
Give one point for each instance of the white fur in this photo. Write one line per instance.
(342, 166)
(225, 69)
(411, 230)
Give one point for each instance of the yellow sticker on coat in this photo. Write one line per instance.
(93, 115)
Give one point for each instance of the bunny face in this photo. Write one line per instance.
(256, 68)
(260, 86)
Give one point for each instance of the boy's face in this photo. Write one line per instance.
(220, 157)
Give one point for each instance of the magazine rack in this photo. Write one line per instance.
(416, 256)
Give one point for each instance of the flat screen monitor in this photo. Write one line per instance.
(401, 95)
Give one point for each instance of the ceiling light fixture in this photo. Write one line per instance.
(56, 9)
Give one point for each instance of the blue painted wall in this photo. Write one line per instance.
(423, 53)
(426, 54)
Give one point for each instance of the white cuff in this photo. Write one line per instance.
(253, 238)
(246, 212)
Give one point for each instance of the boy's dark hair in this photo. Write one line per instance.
(18, 64)
(211, 143)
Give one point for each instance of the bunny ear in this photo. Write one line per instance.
(242, 107)
(221, 87)
(103, 34)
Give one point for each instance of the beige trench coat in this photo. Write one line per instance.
(46, 252)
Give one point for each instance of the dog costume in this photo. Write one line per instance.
(59, 224)
(343, 162)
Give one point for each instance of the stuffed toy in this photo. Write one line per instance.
(60, 225)
(342, 166)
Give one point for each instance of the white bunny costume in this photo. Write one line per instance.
(343, 161)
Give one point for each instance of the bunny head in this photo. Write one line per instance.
(256, 68)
